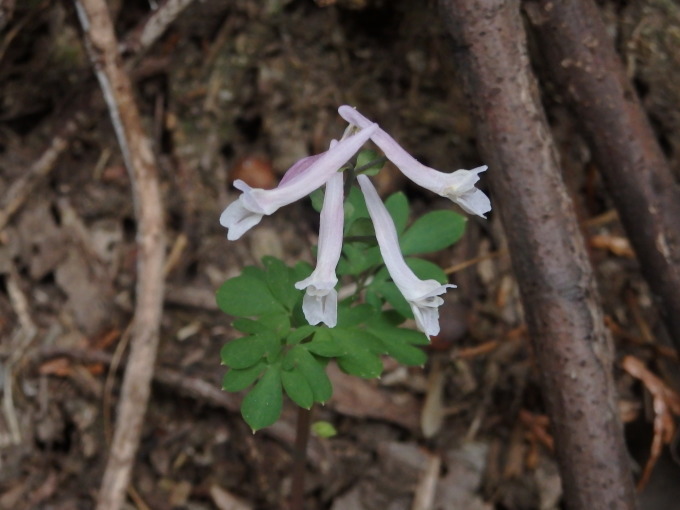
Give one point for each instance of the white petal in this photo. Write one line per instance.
(321, 307)
(299, 168)
(238, 219)
(422, 295)
(427, 319)
(315, 175)
(320, 301)
(450, 185)
(307, 175)
(475, 202)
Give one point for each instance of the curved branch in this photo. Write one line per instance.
(102, 49)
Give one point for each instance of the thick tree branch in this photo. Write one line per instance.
(102, 47)
(561, 302)
(584, 63)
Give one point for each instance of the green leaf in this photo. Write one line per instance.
(432, 232)
(323, 344)
(355, 207)
(356, 340)
(313, 370)
(353, 315)
(426, 270)
(240, 379)
(407, 354)
(357, 259)
(362, 364)
(397, 205)
(262, 406)
(323, 429)
(249, 326)
(297, 388)
(362, 227)
(400, 343)
(281, 283)
(247, 296)
(276, 323)
(317, 199)
(254, 272)
(300, 334)
(368, 156)
(357, 351)
(393, 296)
(244, 352)
(301, 271)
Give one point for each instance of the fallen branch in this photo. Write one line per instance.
(102, 48)
(180, 383)
(150, 30)
(202, 391)
(573, 348)
(582, 59)
(22, 188)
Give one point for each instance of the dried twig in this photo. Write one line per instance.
(424, 497)
(102, 47)
(17, 194)
(573, 348)
(22, 188)
(150, 30)
(666, 402)
(582, 58)
(203, 391)
(180, 383)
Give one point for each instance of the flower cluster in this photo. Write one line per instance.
(310, 173)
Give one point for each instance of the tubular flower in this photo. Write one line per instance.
(307, 175)
(422, 295)
(458, 186)
(320, 303)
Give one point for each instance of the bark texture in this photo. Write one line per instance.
(102, 47)
(561, 301)
(584, 63)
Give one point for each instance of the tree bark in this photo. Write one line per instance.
(561, 302)
(584, 63)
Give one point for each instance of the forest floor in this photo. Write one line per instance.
(243, 89)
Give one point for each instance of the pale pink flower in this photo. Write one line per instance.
(458, 186)
(320, 303)
(307, 175)
(422, 295)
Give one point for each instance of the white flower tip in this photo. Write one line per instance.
(238, 219)
(344, 109)
(319, 306)
(241, 185)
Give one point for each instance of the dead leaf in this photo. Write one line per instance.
(615, 244)
(666, 402)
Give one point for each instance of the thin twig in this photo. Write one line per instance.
(102, 48)
(153, 27)
(22, 188)
(178, 382)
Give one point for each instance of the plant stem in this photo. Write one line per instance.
(297, 491)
